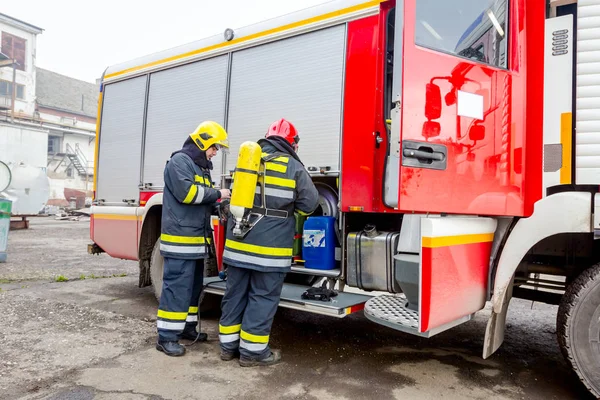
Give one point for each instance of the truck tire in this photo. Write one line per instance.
(578, 327)
(208, 302)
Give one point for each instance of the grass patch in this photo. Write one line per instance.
(61, 278)
(82, 276)
(92, 276)
(5, 281)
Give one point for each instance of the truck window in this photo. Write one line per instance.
(473, 29)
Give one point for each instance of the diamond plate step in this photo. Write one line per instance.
(391, 311)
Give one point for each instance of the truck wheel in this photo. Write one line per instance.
(578, 327)
(208, 302)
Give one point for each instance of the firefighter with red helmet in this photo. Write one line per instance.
(258, 263)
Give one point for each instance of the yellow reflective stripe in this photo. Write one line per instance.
(227, 330)
(203, 180)
(177, 316)
(252, 248)
(191, 194)
(193, 310)
(278, 159)
(276, 167)
(254, 338)
(182, 239)
(288, 183)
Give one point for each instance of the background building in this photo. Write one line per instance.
(67, 107)
(47, 126)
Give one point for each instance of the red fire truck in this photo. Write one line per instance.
(456, 144)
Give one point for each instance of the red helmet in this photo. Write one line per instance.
(284, 129)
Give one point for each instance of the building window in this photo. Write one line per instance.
(14, 47)
(70, 172)
(54, 144)
(6, 90)
(473, 29)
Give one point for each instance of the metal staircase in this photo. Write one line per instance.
(78, 159)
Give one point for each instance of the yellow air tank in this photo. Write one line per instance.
(244, 180)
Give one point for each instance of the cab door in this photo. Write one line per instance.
(455, 107)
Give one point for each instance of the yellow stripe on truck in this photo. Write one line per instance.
(446, 241)
(117, 217)
(566, 139)
(96, 148)
(257, 35)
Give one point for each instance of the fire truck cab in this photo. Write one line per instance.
(456, 144)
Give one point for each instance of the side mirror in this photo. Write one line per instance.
(477, 132)
(450, 98)
(433, 101)
(431, 129)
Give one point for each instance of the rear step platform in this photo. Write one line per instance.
(291, 297)
(391, 311)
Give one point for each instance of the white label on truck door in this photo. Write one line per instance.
(469, 105)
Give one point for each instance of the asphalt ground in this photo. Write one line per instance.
(76, 326)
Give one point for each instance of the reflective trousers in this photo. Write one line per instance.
(248, 308)
(178, 308)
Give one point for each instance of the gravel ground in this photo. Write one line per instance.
(93, 339)
(51, 248)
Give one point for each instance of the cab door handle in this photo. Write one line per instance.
(424, 155)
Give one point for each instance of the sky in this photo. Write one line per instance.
(82, 38)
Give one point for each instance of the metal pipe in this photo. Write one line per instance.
(22, 118)
(45, 126)
(14, 91)
(542, 269)
(551, 282)
(541, 286)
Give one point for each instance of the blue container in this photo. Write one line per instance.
(318, 243)
(5, 211)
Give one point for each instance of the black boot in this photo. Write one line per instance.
(273, 358)
(192, 335)
(229, 355)
(173, 349)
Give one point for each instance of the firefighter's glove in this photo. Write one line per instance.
(224, 211)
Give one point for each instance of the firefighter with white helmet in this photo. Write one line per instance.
(188, 201)
(258, 255)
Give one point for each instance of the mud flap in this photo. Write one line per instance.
(494, 332)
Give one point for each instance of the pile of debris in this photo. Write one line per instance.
(73, 215)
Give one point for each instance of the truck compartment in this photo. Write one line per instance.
(436, 270)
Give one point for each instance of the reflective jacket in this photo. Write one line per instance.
(188, 201)
(268, 246)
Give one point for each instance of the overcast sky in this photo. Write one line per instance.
(82, 38)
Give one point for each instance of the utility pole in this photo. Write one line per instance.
(14, 91)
